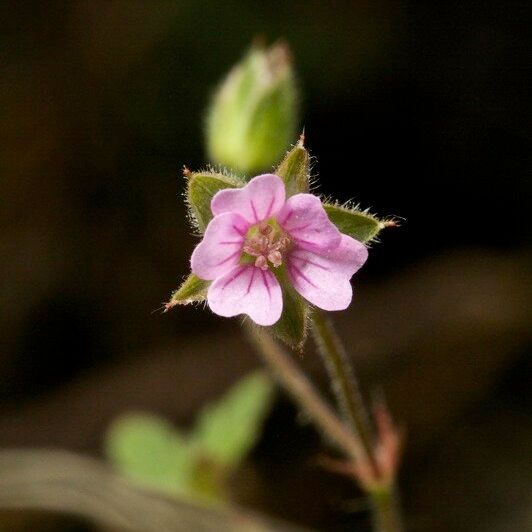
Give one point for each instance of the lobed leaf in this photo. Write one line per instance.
(148, 449)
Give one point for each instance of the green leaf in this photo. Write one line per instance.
(359, 225)
(295, 169)
(192, 290)
(201, 188)
(150, 450)
(228, 429)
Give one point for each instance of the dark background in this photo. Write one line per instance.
(415, 110)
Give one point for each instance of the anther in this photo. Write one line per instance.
(261, 262)
(284, 242)
(265, 229)
(275, 258)
(267, 247)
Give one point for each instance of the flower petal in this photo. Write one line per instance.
(305, 220)
(220, 250)
(260, 199)
(323, 280)
(247, 290)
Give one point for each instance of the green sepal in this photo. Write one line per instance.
(293, 323)
(227, 429)
(360, 225)
(193, 290)
(295, 169)
(201, 187)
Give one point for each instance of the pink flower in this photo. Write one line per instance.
(258, 237)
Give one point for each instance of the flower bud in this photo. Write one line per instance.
(252, 117)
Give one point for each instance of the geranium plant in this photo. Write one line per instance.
(275, 252)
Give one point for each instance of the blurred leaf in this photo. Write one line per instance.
(359, 225)
(67, 483)
(228, 429)
(150, 450)
(201, 188)
(193, 289)
(295, 169)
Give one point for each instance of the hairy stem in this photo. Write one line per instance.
(344, 383)
(303, 392)
(385, 509)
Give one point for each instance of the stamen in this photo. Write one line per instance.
(275, 258)
(265, 229)
(284, 242)
(267, 246)
(261, 262)
(250, 250)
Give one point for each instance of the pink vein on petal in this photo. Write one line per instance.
(303, 241)
(269, 210)
(254, 210)
(265, 279)
(238, 230)
(251, 280)
(302, 275)
(231, 242)
(301, 227)
(287, 217)
(308, 261)
(229, 258)
(233, 278)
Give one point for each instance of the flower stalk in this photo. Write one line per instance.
(385, 510)
(303, 392)
(343, 381)
(362, 462)
(376, 467)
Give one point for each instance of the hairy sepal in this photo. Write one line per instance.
(358, 224)
(294, 169)
(292, 326)
(201, 188)
(192, 290)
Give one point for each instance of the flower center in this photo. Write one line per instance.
(267, 243)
